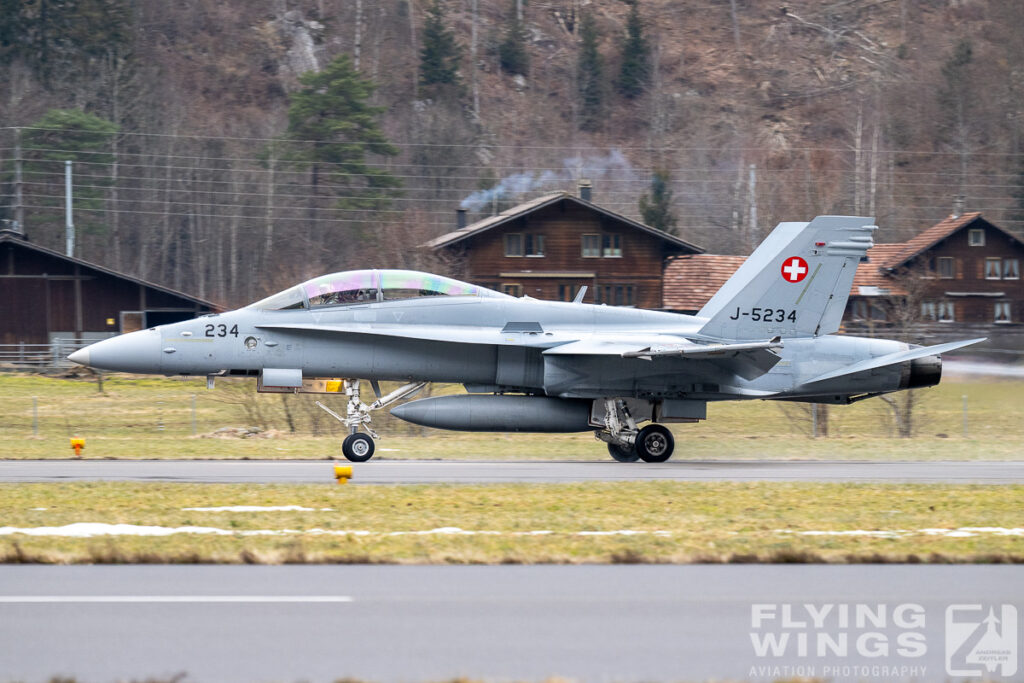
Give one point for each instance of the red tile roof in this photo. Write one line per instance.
(873, 274)
(691, 280)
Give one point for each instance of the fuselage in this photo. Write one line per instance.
(500, 348)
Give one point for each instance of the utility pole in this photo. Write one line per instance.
(473, 64)
(69, 225)
(752, 210)
(19, 207)
(357, 46)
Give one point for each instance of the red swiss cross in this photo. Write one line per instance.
(794, 269)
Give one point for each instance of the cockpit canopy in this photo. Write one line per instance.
(367, 286)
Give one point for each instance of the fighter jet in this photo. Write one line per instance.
(546, 366)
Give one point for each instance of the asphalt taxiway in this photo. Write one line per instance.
(475, 472)
(593, 623)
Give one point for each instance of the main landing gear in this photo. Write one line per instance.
(359, 446)
(629, 443)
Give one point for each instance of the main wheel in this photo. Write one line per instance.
(623, 454)
(357, 447)
(654, 443)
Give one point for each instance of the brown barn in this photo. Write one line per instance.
(46, 296)
(549, 247)
(966, 269)
(960, 277)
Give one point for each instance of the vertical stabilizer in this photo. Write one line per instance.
(795, 284)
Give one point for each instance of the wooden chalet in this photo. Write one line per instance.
(958, 278)
(549, 247)
(46, 296)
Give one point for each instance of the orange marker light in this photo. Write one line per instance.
(78, 444)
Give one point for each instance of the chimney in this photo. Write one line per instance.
(959, 201)
(460, 219)
(585, 189)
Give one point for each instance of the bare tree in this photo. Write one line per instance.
(904, 310)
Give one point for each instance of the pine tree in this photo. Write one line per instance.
(590, 76)
(440, 55)
(512, 54)
(57, 36)
(85, 140)
(656, 208)
(338, 129)
(636, 67)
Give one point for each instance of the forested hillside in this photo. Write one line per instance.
(228, 148)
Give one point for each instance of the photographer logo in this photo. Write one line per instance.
(981, 640)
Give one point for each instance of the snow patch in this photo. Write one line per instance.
(91, 529)
(962, 532)
(256, 508)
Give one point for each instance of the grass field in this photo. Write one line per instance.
(559, 523)
(145, 417)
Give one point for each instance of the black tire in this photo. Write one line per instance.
(654, 443)
(623, 454)
(357, 447)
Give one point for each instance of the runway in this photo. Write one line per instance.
(477, 472)
(593, 623)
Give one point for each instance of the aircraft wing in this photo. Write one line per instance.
(748, 360)
(462, 334)
(889, 359)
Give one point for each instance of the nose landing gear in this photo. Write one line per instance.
(358, 446)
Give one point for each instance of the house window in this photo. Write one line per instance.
(1002, 312)
(514, 244)
(928, 310)
(945, 312)
(615, 295)
(591, 246)
(860, 309)
(976, 238)
(512, 290)
(1011, 269)
(611, 246)
(993, 268)
(534, 245)
(946, 267)
(567, 292)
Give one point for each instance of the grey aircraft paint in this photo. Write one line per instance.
(767, 334)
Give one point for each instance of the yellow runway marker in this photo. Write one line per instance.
(343, 473)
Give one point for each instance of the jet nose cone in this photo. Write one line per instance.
(132, 352)
(81, 356)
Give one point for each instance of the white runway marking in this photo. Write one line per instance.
(28, 599)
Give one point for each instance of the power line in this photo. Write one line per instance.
(580, 149)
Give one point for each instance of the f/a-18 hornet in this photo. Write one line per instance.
(546, 366)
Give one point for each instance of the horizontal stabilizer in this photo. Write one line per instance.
(703, 350)
(891, 359)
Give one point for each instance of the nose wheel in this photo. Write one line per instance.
(357, 447)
